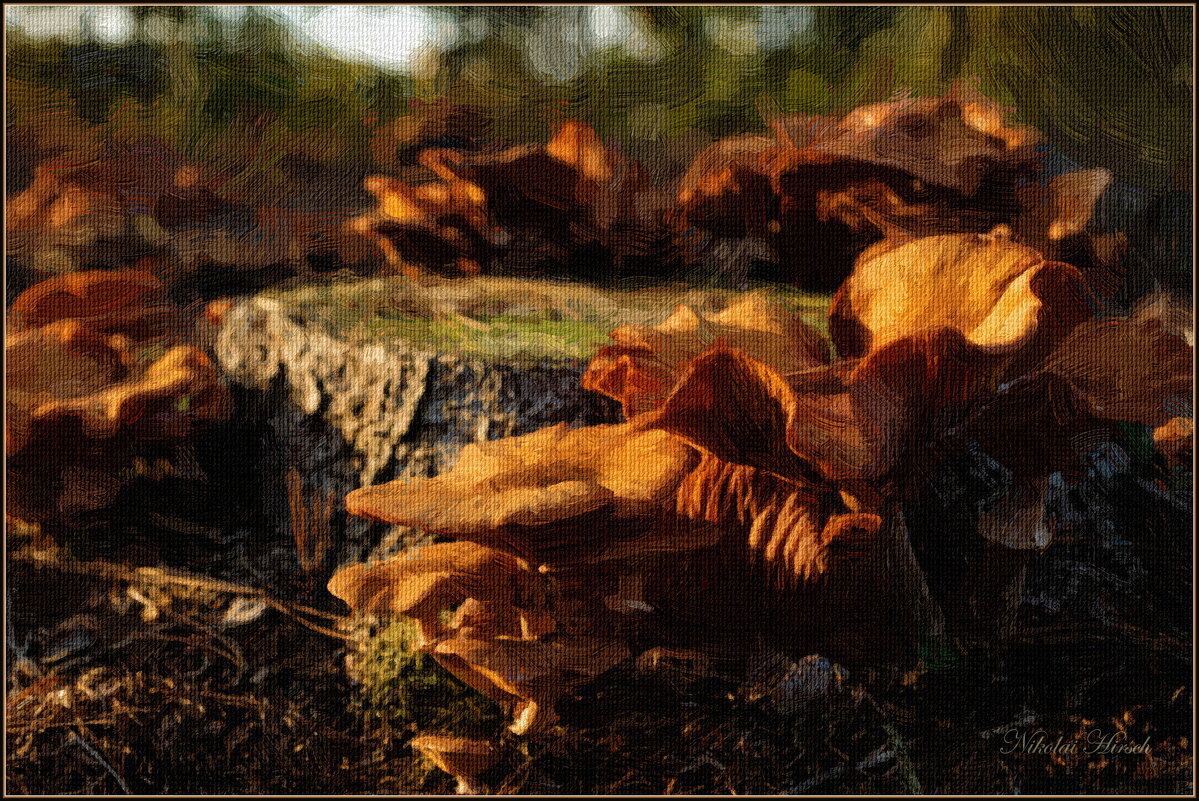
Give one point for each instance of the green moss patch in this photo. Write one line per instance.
(506, 319)
(402, 689)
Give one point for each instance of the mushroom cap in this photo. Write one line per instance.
(61, 359)
(738, 409)
(721, 162)
(1061, 207)
(578, 145)
(427, 579)
(1175, 440)
(646, 362)
(533, 670)
(457, 756)
(595, 485)
(1134, 369)
(726, 190)
(937, 140)
(180, 387)
(63, 371)
(377, 591)
(113, 301)
(855, 419)
(997, 293)
(478, 619)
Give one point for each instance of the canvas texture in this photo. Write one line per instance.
(593, 400)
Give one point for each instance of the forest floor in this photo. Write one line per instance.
(127, 679)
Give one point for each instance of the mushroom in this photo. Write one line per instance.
(538, 673)
(1175, 440)
(577, 145)
(1012, 293)
(725, 189)
(763, 485)
(462, 758)
(908, 167)
(556, 495)
(482, 619)
(131, 302)
(573, 197)
(165, 398)
(643, 366)
(62, 359)
(939, 141)
(79, 376)
(1129, 369)
(423, 583)
(434, 225)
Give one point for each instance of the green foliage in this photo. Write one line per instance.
(903, 758)
(1109, 85)
(1138, 441)
(404, 689)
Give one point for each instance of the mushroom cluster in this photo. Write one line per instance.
(110, 206)
(819, 190)
(757, 494)
(100, 375)
(798, 205)
(571, 206)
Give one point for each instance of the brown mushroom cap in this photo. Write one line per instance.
(646, 362)
(62, 359)
(937, 140)
(1176, 440)
(578, 145)
(851, 420)
(997, 293)
(1128, 368)
(112, 301)
(594, 484)
(1061, 207)
(476, 619)
(537, 672)
(372, 588)
(424, 582)
(462, 758)
(179, 387)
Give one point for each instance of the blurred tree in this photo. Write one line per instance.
(1108, 85)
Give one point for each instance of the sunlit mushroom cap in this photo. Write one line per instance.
(179, 387)
(504, 493)
(645, 363)
(578, 145)
(1176, 440)
(437, 576)
(852, 419)
(997, 293)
